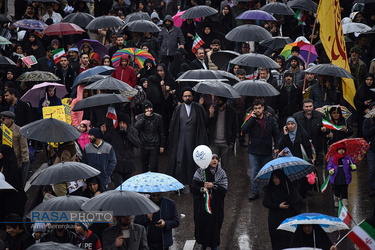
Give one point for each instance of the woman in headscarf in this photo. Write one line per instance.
(2, 100)
(362, 100)
(283, 201)
(207, 36)
(149, 69)
(212, 181)
(49, 100)
(94, 187)
(226, 18)
(154, 94)
(32, 46)
(311, 236)
(188, 30)
(338, 120)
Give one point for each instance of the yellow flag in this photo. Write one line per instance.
(332, 37)
(7, 136)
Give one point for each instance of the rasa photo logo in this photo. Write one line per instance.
(71, 216)
(200, 155)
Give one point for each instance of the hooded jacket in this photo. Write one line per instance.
(126, 74)
(169, 39)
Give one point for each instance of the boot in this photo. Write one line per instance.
(336, 201)
(345, 202)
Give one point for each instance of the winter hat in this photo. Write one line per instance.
(355, 49)
(95, 132)
(84, 225)
(87, 123)
(147, 104)
(123, 117)
(39, 227)
(92, 180)
(8, 114)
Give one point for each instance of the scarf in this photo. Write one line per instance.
(220, 177)
(292, 135)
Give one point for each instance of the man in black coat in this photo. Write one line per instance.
(47, 63)
(19, 108)
(200, 62)
(119, 45)
(66, 74)
(17, 237)
(222, 130)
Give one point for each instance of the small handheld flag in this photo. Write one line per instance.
(344, 215)
(327, 122)
(197, 43)
(57, 53)
(111, 114)
(324, 186)
(207, 204)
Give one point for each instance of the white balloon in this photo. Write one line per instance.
(202, 156)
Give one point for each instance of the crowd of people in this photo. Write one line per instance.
(167, 116)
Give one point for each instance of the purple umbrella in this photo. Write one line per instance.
(97, 47)
(39, 91)
(256, 15)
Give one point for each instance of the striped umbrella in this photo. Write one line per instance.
(138, 56)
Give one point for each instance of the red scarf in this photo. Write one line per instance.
(337, 157)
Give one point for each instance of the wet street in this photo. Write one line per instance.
(245, 224)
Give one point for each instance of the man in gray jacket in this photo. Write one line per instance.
(170, 39)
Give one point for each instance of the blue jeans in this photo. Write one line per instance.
(371, 168)
(256, 163)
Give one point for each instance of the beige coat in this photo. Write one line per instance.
(20, 147)
(211, 65)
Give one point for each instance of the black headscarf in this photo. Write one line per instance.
(10, 168)
(168, 78)
(364, 93)
(145, 72)
(178, 60)
(153, 91)
(301, 239)
(87, 193)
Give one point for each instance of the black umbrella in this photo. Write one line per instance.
(198, 75)
(364, 1)
(255, 60)
(307, 5)
(122, 203)
(231, 78)
(52, 245)
(50, 130)
(278, 8)
(143, 26)
(198, 11)
(221, 58)
(65, 172)
(99, 100)
(276, 42)
(248, 32)
(91, 79)
(255, 88)
(105, 22)
(80, 18)
(46, 1)
(216, 88)
(4, 19)
(330, 70)
(5, 61)
(137, 16)
(112, 83)
(61, 203)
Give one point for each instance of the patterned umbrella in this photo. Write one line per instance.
(304, 51)
(4, 41)
(151, 182)
(355, 147)
(345, 111)
(138, 56)
(295, 168)
(30, 24)
(62, 29)
(38, 76)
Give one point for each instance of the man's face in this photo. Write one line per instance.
(124, 221)
(245, 48)
(49, 10)
(120, 41)
(279, 62)
(9, 97)
(288, 79)
(310, 77)
(156, 197)
(263, 74)
(73, 54)
(12, 231)
(6, 121)
(200, 54)
(64, 62)
(293, 64)
(258, 110)
(242, 77)
(308, 108)
(30, 10)
(187, 97)
(49, 54)
(123, 126)
(92, 138)
(215, 47)
(149, 109)
(85, 60)
(121, 2)
(354, 55)
(295, 53)
(168, 23)
(362, 41)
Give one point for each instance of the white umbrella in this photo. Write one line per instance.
(355, 27)
(5, 185)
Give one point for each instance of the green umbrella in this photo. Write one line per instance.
(38, 76)
(4, 41)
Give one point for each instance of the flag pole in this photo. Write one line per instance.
(308, 56)
(347, 234)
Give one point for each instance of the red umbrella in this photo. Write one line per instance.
(63, 29)
(355, 147)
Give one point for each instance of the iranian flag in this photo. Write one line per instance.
(111, 114)
(197, 43)
(324, 186)
(301, 16)
(57, 53)
(327, 122)
(344, 215)
(363, 236)
(29, 60)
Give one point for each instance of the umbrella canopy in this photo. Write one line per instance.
(65, 172)
(112, 84)
(255, 88)
(4, 19)
(4, 41)
(143, 26)
(256, 15)
(221, 58)
(198, 11)
(216, 88)
(278, 8)
(30, 24)
(307, 5)
(248, 32)
(355, 148)
(355, 27)
(101, 70)
(330, 70)
(304, 51)
(62, 29)
(62, 203)
(136, 16)
(229, 76)
(5, 186)
(345, 111)
(91, 79)
(255, 60)
(138, 56)
(276, 42)
(38, 91)
(80, 18)
(105, 22)
(177, 20)
(38, 76)
(294, 167)
(5, 61)
(328, 223)
(122, 203)
(99, 100)
(52, 245)
(151, 182)
(50, 130)
(98, 47)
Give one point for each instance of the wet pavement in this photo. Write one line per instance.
(245, 224)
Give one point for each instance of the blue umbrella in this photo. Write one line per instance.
(151, 182)
(295, 168)
(30, 24)
(256, 15)
(328, 223)
(101, 70)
